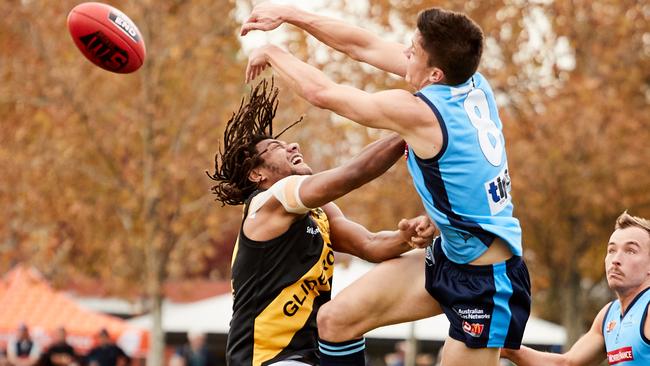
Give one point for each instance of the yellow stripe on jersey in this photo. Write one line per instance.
(232, 263)
(276, 325)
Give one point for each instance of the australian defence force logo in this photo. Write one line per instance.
(125, 26)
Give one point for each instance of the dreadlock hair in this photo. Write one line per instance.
(252, 123)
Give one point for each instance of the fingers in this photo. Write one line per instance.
(251, 73)
(404, 224)
(245, 28)
(247, 73)
(420, 231)
(419, 242)
(426, 231)
(254, 25)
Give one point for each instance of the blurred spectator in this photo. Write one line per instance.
(424, 359)
(195, 353)
(23, 351)
(398, 357)
(107, 353)
(60, 352)
(3, 355)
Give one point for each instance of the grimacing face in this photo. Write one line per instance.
(627, 263)
(281, 159)
(418, 71)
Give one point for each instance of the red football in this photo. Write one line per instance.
(107, 37)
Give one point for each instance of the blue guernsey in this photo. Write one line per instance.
(625, 341)
(466, 187)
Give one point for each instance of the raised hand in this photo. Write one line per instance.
(257, 62)
(264, 17)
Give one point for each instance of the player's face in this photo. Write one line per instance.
(281, 159)
(418, 72)
(627, 263)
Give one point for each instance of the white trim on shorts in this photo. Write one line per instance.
(289, 363)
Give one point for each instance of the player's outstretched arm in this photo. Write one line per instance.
(352, 238)
(356, 42)
(396, 110)
(588, 350)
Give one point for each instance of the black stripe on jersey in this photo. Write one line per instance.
(644, 318)
(436, 186)
(443, 128)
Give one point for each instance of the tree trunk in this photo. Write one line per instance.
(571, 314)
(411, 347)
(157, 341)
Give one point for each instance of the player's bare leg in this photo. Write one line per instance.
(392, 292)
(456, 353)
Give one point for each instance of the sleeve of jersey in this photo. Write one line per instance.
(287, 192)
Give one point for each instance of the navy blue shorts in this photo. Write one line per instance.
(488, 306)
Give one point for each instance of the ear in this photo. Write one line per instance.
(256, 176)
(436, 76)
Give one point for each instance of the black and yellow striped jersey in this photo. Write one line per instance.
(278, 287)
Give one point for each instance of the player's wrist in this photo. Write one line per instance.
(293, 15)
(269, 50)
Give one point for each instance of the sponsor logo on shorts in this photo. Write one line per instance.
(610, 326)
(498, 191)
(472, 314)
(620, 355)
(125, 26)
(473, 329)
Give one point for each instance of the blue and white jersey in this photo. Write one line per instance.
(625, 341)
(465, 188)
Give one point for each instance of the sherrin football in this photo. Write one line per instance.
(107, 37)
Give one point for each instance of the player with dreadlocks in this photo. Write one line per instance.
(283, 260)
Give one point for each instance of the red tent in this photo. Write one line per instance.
(27, 298)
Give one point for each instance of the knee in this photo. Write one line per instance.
(331, 323)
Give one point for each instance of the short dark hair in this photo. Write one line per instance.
(252, 123)
(453, 42)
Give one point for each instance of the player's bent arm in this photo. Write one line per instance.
(293, 196)
(350, 237)
(371, 162)
(353, 41)
(588, 350)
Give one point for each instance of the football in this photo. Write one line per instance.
(107, 37)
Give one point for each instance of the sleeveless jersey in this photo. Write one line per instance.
(278, 287)
(465, 188)
(625, 341)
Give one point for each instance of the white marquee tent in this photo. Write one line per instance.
(213, 316)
